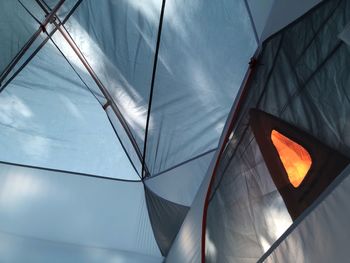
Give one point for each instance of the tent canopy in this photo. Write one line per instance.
(115, 114)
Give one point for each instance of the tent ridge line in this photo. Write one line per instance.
(68, 172)
(45, 8)
(182, 163)
(155, 63)
(29, 43)
(100, 85)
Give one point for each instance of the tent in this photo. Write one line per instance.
(174, 131)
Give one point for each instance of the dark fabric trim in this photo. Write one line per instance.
(155, 63)
(69, 172)
(182, 163)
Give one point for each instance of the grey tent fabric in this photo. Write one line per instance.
(299, 78)
(326, 223)
(191, 102)
(14, 19)
(180, 184)
(187, 245)
(247, 210)
(126, 70)
(74, 137)
(50, 119)
(282, 13)
(75, 210)
(119, 40)
(19, 249)
(166, 219)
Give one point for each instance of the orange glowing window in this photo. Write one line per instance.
(295, 159)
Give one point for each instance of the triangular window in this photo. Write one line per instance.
(300, 165)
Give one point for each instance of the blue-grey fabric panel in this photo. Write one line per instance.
(75, 209)
(20, 249)
(204, 53)
(129, 148)
(78, 66)
(302, 79)
(323, 234)
(16, 27)
(118, 39)
(180, 184)
(166, 218)
(49, 118)
(260, 12)
(284, 12)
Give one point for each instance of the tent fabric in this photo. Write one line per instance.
(118, 40)
(50, 119)
(18, 249)
(300, 76)
(126, 71)
(191, 102)
(187, 245)
(14, 18)
(75, 209)
(284, 12)
(247, 210)
(325, 222)
(166, 218)
(180, 184)
(270, 16)
(72, 185)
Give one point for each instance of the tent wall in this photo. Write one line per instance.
(187, 245)
(326, 226)
(118, 39)
(204, 53)
(16, 27)
(180, 184)
(301, 78)
(75, 209)
(19, 249)
(49, 118)
(189, 97)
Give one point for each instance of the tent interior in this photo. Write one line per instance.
(174, 131)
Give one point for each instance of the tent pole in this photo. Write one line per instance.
(28, 44)
(39, 47)
(103, 89)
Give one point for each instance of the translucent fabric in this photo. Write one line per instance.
(49, 118)
(74, 216)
